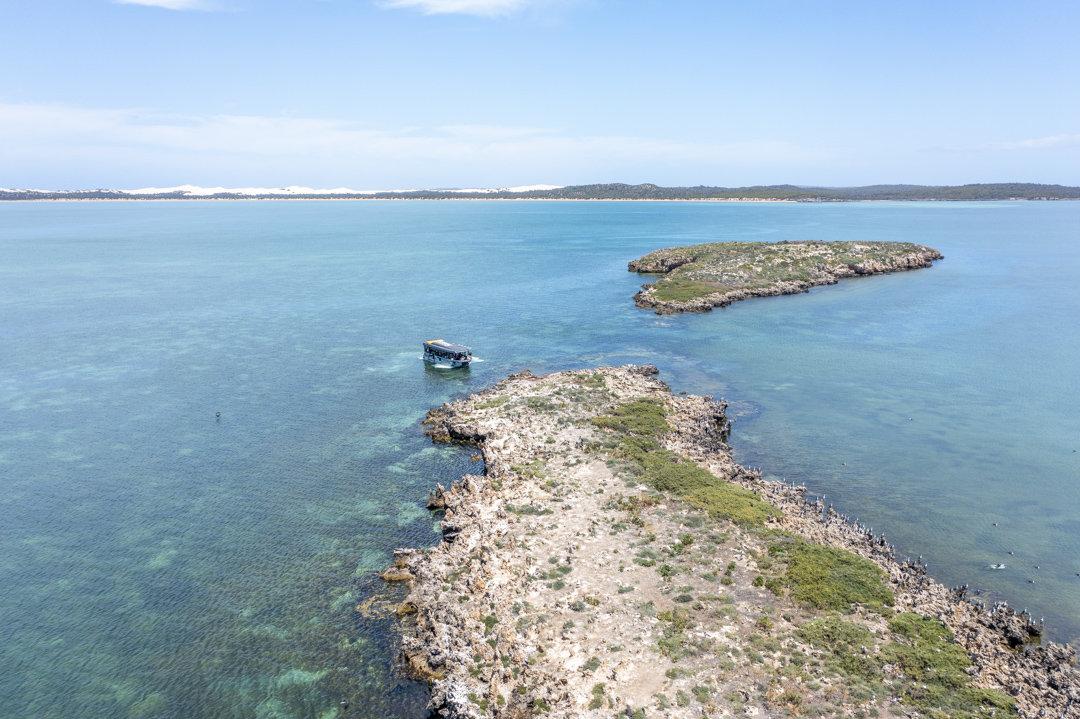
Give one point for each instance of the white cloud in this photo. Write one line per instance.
(329, 152)
(485, 8)
(169, 4)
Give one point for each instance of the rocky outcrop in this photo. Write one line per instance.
(543, 597)
(651, 264)
(820, 274)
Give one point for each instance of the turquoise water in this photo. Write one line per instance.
(157, 561)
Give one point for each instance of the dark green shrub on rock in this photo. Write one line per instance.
(831, 578)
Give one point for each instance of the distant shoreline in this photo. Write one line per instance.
(614, 192)
(287, 198)
(413, 199)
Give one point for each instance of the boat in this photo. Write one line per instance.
(441, 352)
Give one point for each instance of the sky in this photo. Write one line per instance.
(398, 94)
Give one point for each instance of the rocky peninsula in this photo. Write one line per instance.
(612, 559)
(697, 278)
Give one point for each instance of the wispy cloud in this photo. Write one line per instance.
(1040, 143)
(168, 4)
(342, 151)
(487, 8)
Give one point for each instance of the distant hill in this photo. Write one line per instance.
(613, 191)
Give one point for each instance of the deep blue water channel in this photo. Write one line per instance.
(156, 561)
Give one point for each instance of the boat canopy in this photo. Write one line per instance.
(444, 346)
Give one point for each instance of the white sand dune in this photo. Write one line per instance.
(295, 190)
(196, 191)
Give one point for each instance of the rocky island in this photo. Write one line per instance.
(612, 559)
(697, 278)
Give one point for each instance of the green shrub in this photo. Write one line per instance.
(640, 423)
(642, 417)
(830, 578)
(834, 634)
(597, 697)
(932, 664)
(679, 290)
(930, 656)
(489, 623)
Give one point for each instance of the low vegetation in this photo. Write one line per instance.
(830, 578)
(921, 662)
(638, 427)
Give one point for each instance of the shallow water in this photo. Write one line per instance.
(158, 561)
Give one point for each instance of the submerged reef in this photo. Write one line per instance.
(697, 278)
(614, 560)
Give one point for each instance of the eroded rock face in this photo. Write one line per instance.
(543, 598)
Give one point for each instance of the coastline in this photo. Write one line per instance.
(484, 607)
(428, 199)
(519, 199)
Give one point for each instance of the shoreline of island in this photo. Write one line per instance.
(484, 608)
(618, 192)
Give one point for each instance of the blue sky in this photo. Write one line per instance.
(380, 94)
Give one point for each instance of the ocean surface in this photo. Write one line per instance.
(157, 560)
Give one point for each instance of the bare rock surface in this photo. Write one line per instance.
(563, 587)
